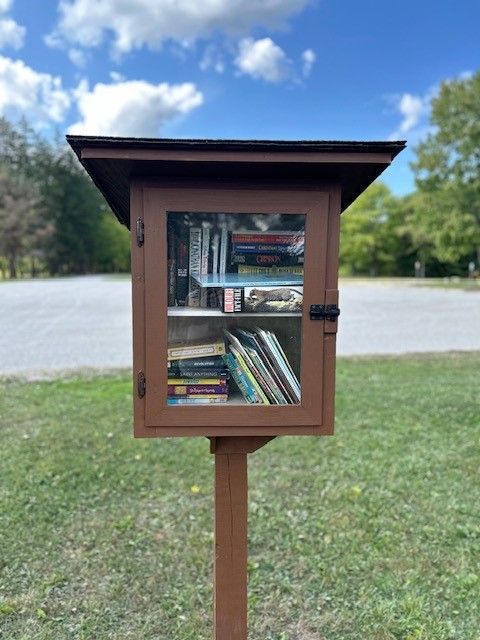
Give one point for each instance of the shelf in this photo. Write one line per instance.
(249, 280)
(199, 312)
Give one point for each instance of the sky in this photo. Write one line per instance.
(254, 69)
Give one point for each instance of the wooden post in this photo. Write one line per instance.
(231, 512)
(230, 563)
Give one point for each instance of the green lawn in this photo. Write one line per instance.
(373, 534)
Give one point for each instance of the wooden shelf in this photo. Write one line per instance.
(198, 312)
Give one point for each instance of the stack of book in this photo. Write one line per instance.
(268, 249)
(197, 373)
(260, 367)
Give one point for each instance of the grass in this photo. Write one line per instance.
(372, 534)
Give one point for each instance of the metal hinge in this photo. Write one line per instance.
(140, 232)
(141, 384)
(324, 312)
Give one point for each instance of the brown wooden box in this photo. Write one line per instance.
(145, 181)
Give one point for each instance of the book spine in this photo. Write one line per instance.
(282, 249)
(222, 267)
(194, 381)
(196, 351)
(233, 298)
(204, 263)
(194, 266)
(266, 259)
(215, 362)
(240, 378)
(254, 270)
(189, 373)
(182, 270)
(196, 389)
(267, 238)
(171, 266)
(215, 400)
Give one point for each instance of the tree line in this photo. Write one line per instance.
(438, 225)
(53, 221)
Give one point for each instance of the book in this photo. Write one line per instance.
(196, 389)
(262, 299)
(171, 265)
(198, 372)
(200, 381)
(182, 257)
(241, 379)
(204, 263)
(196, 400)
(268, 237)
(245, 269)
(212, 362)
(222, 266)
(194, 266)
(288, 381)
(182, 351)
(251, 343)
(267, 259)
(283, 249)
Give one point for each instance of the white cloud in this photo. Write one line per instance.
(137, 23)
(263, 59)
(24, 91)
(77, 57)
(11, 33)
(308, 60)
(412, 108)
(132, 108)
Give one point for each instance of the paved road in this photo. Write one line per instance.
(51, 325)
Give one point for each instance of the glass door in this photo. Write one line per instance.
(235, 302)
(234, 329)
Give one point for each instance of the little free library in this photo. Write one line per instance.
(235, 300)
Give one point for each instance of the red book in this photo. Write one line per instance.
(196, 389)
(267, 238)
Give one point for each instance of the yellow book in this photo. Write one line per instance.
(183, 351)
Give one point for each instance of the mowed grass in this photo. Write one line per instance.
(372, 534)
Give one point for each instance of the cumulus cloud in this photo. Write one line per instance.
(263, 59)
(137, 23)
(308, 60)
(11, 33)
(24, 91)
(132, 108)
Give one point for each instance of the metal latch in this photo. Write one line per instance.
(140, 232)
(141, 384)
(328, 312)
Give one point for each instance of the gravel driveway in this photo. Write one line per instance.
(85, 322)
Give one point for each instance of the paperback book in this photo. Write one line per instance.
(262, 299)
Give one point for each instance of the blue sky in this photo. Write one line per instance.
(288, 69)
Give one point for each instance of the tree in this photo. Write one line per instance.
(17, 201)
(369, 240)
(448, 172)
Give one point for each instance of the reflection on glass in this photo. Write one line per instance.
(235, 296)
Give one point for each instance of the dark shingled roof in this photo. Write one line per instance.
(120, 161)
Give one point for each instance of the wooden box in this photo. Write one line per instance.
(234, 276)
